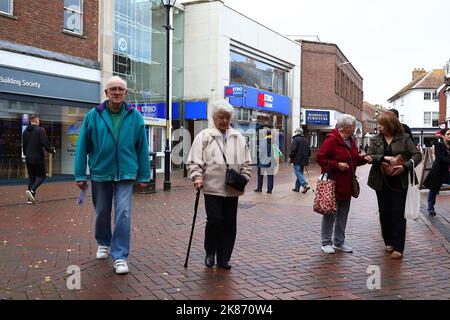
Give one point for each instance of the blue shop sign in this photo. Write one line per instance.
(156, 110)
(49, 86)
(314, 117)
(196, 110)
(234, 91)
(262, 100)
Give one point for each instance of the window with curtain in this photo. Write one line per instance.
(73, 16)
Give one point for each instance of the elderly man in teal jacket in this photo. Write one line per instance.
(113, 136)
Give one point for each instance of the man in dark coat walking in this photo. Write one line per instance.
(299, 157)
(34, 141)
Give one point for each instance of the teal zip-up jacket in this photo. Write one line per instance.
(111, 160)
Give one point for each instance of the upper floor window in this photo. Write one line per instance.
(435, 96)
(429, 117)
(402, 101)
(394, 103)
(6, 6)
(73, 16)
(427, 96)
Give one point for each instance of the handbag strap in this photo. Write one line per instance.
(351, 162)
(223, 154)
(413, 182)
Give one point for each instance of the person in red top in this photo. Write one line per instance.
(338, 157)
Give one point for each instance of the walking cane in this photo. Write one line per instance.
(309, 178)
(192, 229)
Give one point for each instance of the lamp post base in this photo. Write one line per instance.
(167, 183)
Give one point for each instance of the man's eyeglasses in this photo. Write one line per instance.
(117, 89)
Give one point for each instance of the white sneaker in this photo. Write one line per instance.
(121, 266)
(343, 247)
(102, 252)
(328, 249)
(30, 195)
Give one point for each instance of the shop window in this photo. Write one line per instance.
(73, 16)
(257, 74)
(243, 115)
(313, 140)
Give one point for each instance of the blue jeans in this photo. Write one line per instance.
(431, 200)
(300, 182)
(102, 196)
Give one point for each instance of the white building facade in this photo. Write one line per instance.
(418, 105)
(229, 55)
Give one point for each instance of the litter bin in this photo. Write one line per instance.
(151, 187)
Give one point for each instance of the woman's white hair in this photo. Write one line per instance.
(116, 79)
(222, 105)
(344, 121)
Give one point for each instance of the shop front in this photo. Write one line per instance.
(256, 110)
(318, 123)
(61, 103)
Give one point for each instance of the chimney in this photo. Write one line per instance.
(417, 73)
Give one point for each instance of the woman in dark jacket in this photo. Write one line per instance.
(394, 155)
(439, 172)
(338, 157)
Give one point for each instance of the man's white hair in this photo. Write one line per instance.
(345, 120)
(222, 105)
(116, 79)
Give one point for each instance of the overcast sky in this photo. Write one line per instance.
(384, 39)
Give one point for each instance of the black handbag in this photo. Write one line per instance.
(233, 178)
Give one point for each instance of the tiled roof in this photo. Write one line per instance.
(430, 80)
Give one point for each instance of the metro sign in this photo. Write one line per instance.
(234, 91)
(265, 100)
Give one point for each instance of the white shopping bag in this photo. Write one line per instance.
(412, 206)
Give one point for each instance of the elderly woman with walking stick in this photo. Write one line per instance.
(213, 152)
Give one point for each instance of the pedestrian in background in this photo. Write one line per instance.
(338, 157)
(440, 170)
(113, 136)
(34, 142)
(299, 157)
(392, 153)
(267, 161)
(207, 169)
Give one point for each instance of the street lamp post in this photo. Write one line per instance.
(169, 4)
(376, 122)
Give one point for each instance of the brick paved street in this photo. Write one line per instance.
(277, 253)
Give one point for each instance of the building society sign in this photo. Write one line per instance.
(19, 82)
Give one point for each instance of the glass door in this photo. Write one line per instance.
(156, 138)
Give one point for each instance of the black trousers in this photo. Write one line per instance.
(391, 205)
(269, 180)
(220, 230)
(36, 175)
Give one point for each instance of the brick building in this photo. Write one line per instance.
(50, 66)
(369, 118)
(330, 86)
